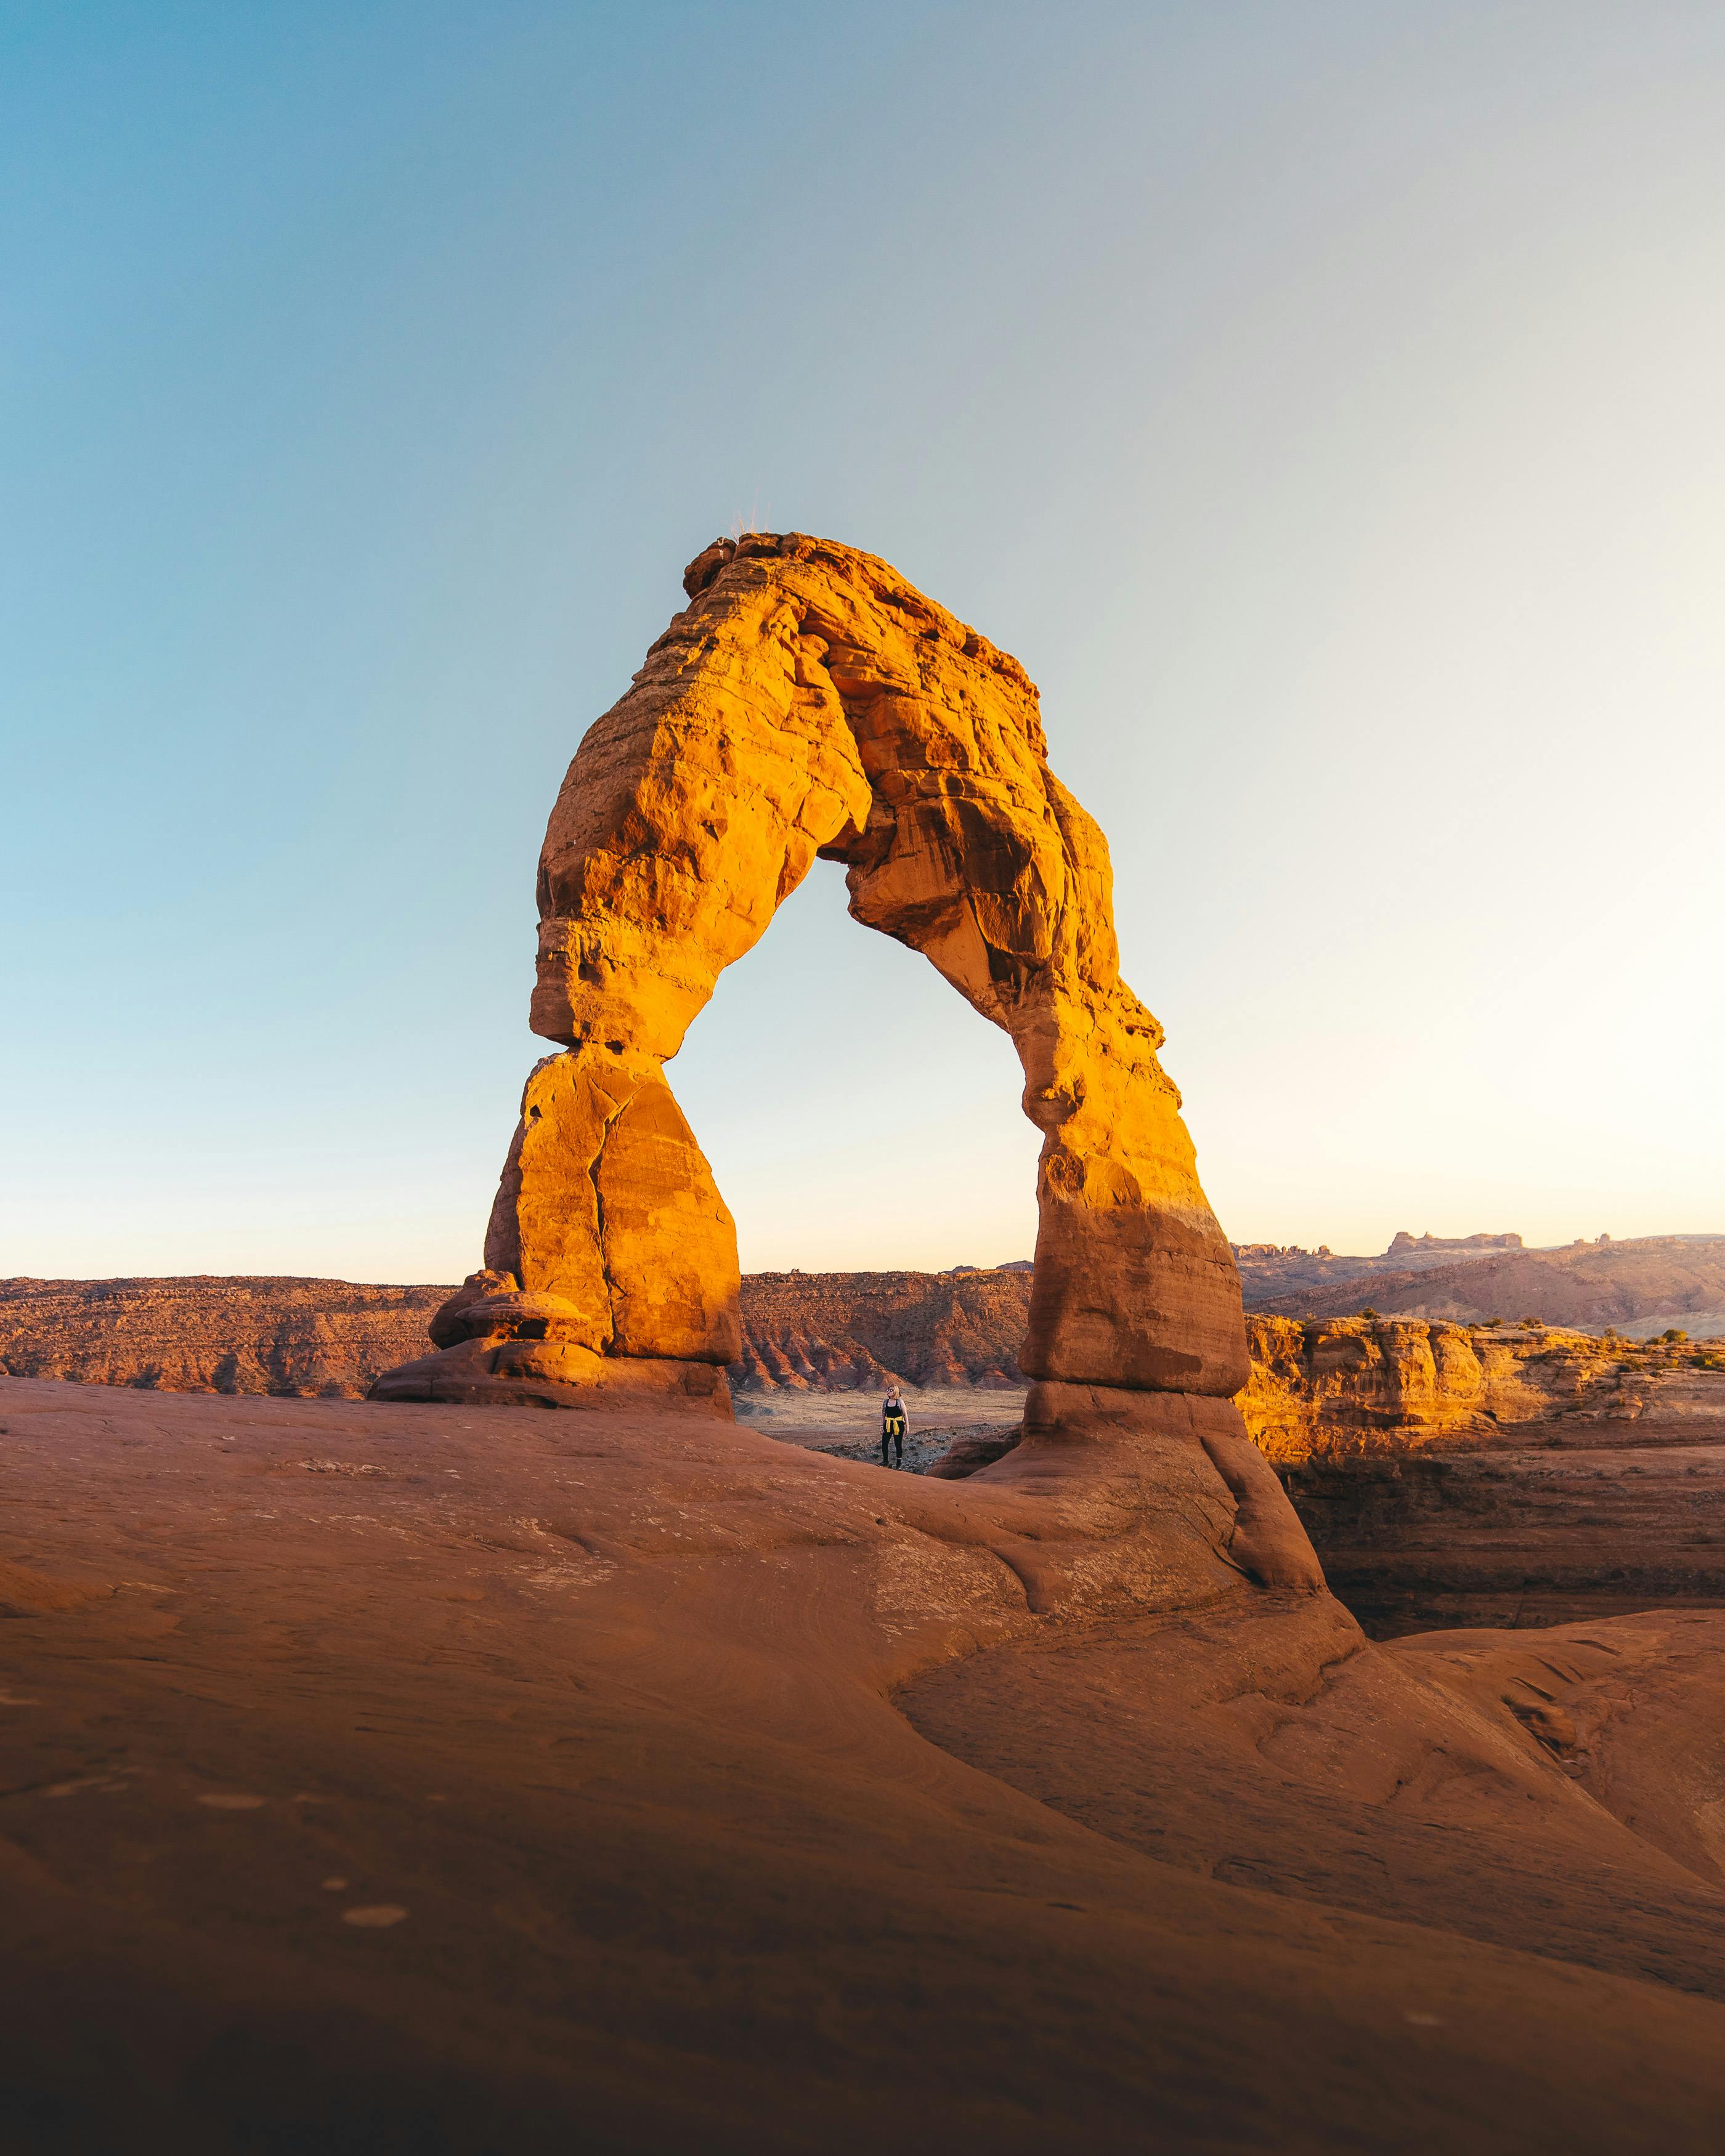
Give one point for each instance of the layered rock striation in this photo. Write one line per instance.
(286, 1336)
(833, 1331)
(1496, 1475)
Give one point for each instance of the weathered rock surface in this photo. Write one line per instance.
(391, 1778)
(1353, 1384)
(809, 701)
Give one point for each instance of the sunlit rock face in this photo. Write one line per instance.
(808, 701)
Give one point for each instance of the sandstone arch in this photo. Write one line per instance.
(809, 701)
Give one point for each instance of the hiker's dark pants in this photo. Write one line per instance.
(892, 1437)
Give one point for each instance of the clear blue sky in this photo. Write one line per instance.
(1324, 401)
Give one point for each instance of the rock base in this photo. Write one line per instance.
(565, 1377)
(500, 1347)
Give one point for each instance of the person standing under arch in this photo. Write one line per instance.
(893, 1418)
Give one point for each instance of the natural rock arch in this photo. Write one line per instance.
(809, 701)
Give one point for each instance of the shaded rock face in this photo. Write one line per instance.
(263, 1334)
(1495, 1477)
(809, 701)
(1541, 1532)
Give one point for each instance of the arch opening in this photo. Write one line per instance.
(856, 1114)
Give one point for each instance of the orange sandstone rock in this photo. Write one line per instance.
(809, 701)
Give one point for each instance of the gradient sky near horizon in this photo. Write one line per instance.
(1326, 402)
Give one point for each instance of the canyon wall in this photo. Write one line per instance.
(1496, 1475)
(211, 1334)
(1333, 1388)
(829, 1331)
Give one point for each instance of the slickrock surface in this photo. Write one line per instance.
(206, 1333)
(809, 701)
(473, 1781)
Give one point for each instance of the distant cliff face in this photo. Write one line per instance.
(1402, 1244)
(1666, 1280)
(1329, 1386)
(830, 1332)
(1352, 1385)
(820, 1331)
(1496, 1475)
(258, 1334)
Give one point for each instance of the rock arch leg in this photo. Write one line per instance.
(808, 701)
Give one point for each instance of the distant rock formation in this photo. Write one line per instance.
(1496, 1475)
(1403, 1242)
(1390, 1386)
(830, 1332)
(809, 701)
(210, 1334)
(1676, 1280)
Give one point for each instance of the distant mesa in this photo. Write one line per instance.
(1645, 1283)
(1402, 1243)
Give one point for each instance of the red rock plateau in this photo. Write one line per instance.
(1446, 1475)
(437, 1773)
(1643, 1285)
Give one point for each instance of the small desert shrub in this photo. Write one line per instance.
(1673, 1335)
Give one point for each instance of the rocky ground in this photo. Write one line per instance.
(455, 1780)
